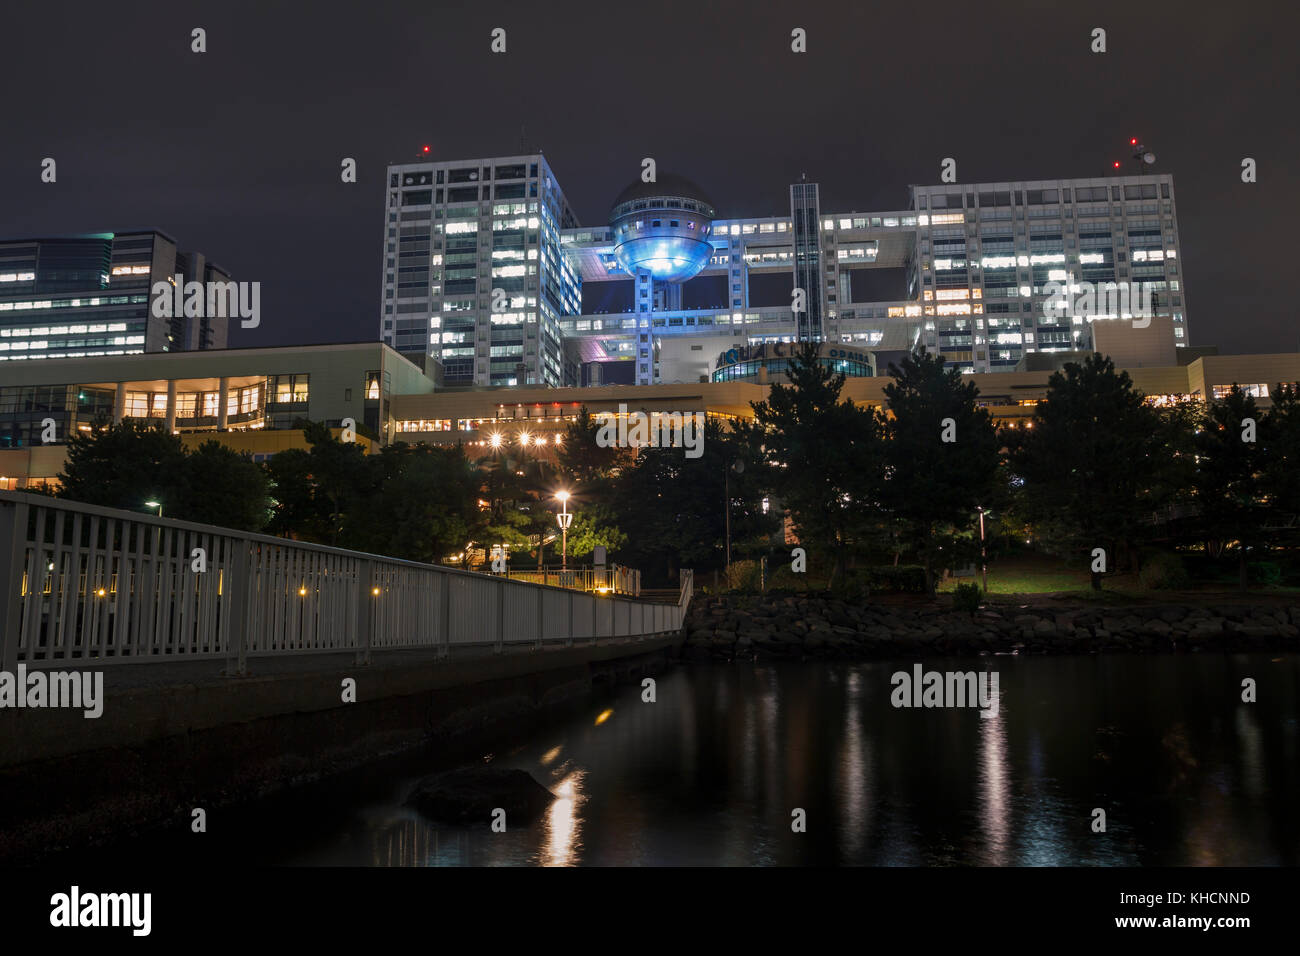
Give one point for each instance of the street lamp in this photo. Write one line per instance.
(564, 519)
(984, 566)
(738, 466)
(155, 504)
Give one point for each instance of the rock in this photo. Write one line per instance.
(470, 794)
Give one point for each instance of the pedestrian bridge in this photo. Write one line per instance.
(91, 586)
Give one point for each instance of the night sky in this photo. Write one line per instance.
(236, 151)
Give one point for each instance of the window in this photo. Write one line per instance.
(1255, 391)
(287, 389)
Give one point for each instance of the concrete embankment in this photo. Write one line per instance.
(800, 626)
(174, 738)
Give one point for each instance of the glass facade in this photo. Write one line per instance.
(91, 295)
(746, 371)
(474, 274)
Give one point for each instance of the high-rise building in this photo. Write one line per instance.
(77, 296)
(983, 273)
(474, 274)
(1003, 250)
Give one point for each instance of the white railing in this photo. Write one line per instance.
(614, 580)
(80, 583)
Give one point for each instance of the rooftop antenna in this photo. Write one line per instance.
(1142, 156)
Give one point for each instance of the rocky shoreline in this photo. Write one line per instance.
(802, 626)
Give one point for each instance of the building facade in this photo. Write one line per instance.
(250, 399)
(391, 399)
(475, 277)
(82, 296)
(968, 270)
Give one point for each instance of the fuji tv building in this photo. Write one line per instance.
(489, 279)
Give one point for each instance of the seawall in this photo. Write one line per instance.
(800, 626)
(166, 745)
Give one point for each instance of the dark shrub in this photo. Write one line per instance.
(1164, 571)
(1267, 573)
(967, 597)
(904, 578)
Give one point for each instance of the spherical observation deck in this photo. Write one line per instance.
(663, 228)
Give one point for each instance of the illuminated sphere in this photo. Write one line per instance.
(663, 228)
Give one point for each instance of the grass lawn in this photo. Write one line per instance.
(1010, 578)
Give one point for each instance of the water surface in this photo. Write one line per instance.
(711, 772)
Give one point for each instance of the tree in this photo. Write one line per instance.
(821, 456)
(296, 512)
(424, 505)
(224, 488)
(1281, 460)
(516, 489)
(941, 454)
(125, 465)
(594, 525)
(1227, 480)
(340, 476)
(673, 509)
(1091, 463)
(581, 460)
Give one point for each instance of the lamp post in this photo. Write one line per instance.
(738, 466)
(984, 567)
(564, 519)
(155, 504)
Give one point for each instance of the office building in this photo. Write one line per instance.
(474, 275)
(90, 295)
(968, 270)
(251, 399)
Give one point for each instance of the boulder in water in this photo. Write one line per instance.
(470, 794)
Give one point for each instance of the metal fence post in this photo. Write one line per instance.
(365, 611)
(237, 608)
(501, 617)
(446, 613)
(13, 548)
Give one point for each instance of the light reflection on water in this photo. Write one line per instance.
(710, 773)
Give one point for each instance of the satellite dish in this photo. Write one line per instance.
(738, 467)
(1148, 158)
